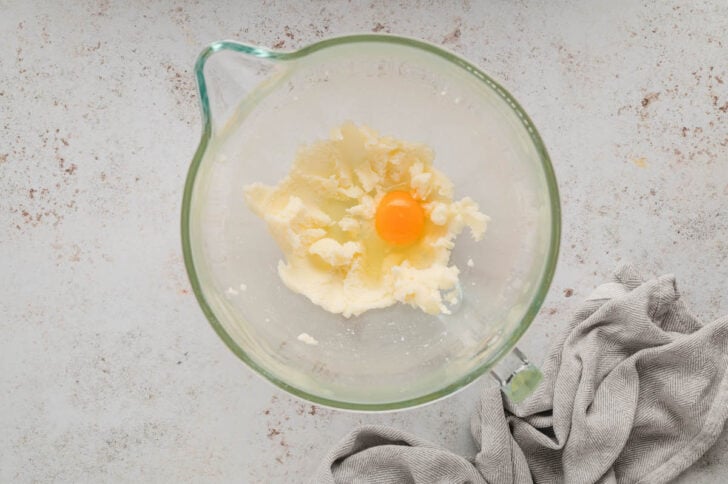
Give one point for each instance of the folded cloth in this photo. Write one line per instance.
(634, 391)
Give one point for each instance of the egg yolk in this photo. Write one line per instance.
(400, 219)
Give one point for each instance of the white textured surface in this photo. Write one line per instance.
(108, 370)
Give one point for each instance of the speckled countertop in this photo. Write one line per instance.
(110, 373)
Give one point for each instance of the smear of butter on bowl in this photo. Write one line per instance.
(365, 221)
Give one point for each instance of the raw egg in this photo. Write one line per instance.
(400, 219)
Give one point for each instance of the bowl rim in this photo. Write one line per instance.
(555, 208)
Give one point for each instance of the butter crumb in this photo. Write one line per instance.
(308, 339)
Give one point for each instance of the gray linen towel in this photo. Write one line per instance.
(634, 391)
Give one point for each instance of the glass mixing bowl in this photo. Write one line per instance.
(258, 107)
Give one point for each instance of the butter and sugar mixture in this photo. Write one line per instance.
(365, 221)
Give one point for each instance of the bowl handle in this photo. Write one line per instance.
(518, 377)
